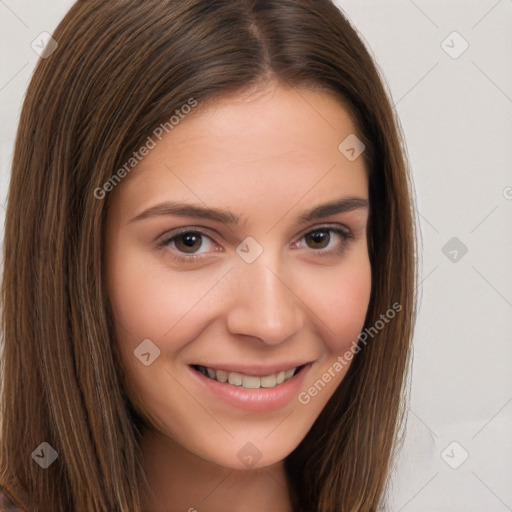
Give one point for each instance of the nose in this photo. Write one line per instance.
(263, 304)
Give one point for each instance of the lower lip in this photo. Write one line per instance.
(258, 400)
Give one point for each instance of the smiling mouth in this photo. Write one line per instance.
(248, 381)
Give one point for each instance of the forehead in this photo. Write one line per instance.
(274, 122)
(279, 143)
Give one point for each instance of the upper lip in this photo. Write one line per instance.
(253, 369)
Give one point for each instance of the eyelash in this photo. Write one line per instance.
(346, 236)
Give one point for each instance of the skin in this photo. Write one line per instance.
(268, 156)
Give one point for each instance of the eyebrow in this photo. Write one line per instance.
(345, 204)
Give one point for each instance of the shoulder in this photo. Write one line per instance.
(7, 503)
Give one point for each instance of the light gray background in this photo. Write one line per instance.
(456, 115)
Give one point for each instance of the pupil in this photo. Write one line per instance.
(320, 236)
(188, 240)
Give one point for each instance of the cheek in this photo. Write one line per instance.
(341, 304)
(147, 305)
(148, 300)
(137, 300)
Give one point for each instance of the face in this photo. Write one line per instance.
(237, 250)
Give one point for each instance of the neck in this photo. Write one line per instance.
(184, 482)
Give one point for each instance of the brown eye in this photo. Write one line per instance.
(326, 240)
(188, 246)
(318, 239)
(188, 243)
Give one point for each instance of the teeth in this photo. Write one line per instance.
(248, 381)
(289, 374)
(268, 382)
(222, 376)
(235, 378)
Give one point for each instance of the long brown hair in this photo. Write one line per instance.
(121, 69)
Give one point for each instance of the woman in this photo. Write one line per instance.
(209, 266)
